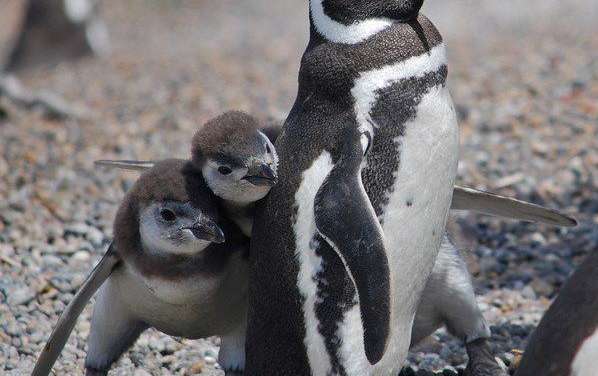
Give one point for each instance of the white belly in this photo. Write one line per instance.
(178, 292)
(194, 307)
(586, 360)
(429, 156)
(309, 262)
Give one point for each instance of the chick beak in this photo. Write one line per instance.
(261, 175)
(206, 229)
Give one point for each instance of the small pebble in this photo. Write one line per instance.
(81, 256)
(209, 360)
(141, 372)
(20, 296)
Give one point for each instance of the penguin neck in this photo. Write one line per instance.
(241, 213)
(337, 32)
(236, 205)
(151, 264)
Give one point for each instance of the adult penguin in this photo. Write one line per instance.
(566, 340)
(344, 244)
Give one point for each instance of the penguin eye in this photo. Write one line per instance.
(167, 215)
(224, 170)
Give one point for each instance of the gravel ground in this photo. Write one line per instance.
(525, 80)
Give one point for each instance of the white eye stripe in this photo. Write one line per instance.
(336, 32)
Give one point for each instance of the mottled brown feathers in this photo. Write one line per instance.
(171, 179)
(231, 128)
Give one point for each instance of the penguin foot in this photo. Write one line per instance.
(233, 373)
(232, 360)
(232, 369)
(231, 356)
(481, 361)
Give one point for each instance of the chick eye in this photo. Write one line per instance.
(224, 170)
(167, 215)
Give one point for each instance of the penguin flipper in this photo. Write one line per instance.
(69, 316)
(507, 207)
(345, 218)
(126, 164)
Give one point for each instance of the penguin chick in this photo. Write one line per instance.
(174, 273)
(237, 160)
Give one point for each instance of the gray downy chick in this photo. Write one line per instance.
(175, 265)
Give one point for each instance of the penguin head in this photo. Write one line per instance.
(177, 228)
(349, 11)
(237, 160)
(169, 211)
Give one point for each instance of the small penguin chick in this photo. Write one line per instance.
(168, 213)
(168, 268)
(237, 159)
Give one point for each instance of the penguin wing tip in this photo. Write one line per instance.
(125, 164)
(570, 221)
(556, 218)
(374, 352)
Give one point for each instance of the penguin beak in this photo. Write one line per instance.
(206, 229)
(261, 175)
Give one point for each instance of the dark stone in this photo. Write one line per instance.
(407, 371)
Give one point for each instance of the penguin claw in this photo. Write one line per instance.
(481, 361)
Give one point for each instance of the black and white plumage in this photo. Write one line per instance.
(566, 340)
(373, 127)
